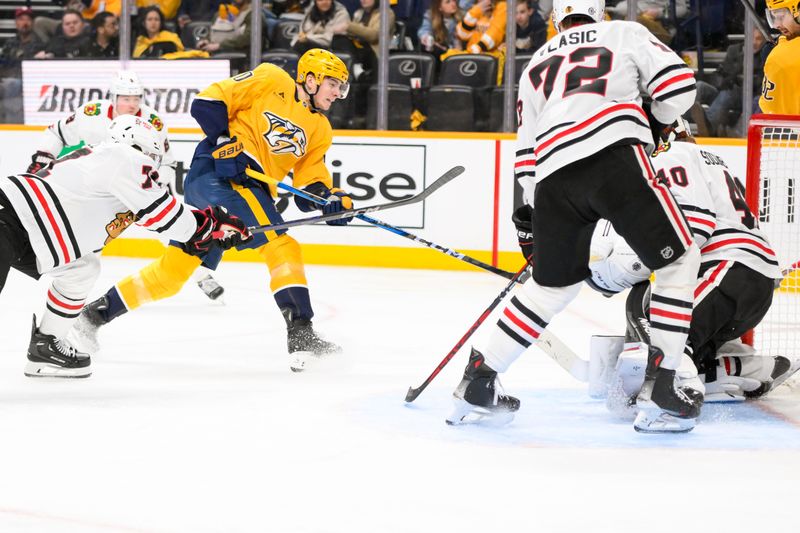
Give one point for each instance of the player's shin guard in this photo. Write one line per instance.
(287, 276)
(671, 306)
(67, 295)
(289, 287)
(523, 320)
(159, 280)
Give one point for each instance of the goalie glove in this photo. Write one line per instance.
(336, 200)
(523, 221)
(230, 161)
(216, 227)
(41, 161)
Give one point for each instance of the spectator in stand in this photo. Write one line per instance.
(104, 41)
(168, 7)
(654, 15)
(721, 119)
(154, 40)
(483, 28)
(361, 38)
(197, 11)
(437, 33)
(46, 28)
(316, 30)
(70, 42)
(24, 45)
(531, 28)
(231, 29)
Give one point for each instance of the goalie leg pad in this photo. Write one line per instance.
(604, 351)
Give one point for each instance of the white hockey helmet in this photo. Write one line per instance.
(139, 134)
(594, 9)
(126, 83)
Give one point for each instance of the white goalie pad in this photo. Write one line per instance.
(604, 351)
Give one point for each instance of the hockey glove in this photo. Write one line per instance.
(337, 200)
(41, 161)
(215, 226)
(230, 161)
(523, 220)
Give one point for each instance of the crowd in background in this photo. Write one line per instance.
(443, 28)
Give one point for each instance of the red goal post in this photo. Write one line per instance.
(773, 179)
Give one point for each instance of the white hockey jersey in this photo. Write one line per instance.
(88, 198)
(581, 93)
(713, 201)
(90, 124)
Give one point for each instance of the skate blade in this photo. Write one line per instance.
(465, 413)
(45, 370)
(299, 361)
(657, 421)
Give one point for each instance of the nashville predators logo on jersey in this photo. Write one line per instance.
(284, 137)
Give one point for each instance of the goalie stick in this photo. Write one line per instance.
(348, 213)
(397, 231)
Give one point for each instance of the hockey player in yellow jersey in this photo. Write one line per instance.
(264, 120)
(782, 69)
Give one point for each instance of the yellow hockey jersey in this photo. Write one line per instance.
(279, 132)
(780, 89)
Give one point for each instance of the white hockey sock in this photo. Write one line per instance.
(671, 306)
(522, 321)
(61, 312)
(200, 273)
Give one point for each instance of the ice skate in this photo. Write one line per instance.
(304, 343)
(782, 370)
(84, 330)
(663, 406)
(480, 397)
(56, 358)
(212, 289)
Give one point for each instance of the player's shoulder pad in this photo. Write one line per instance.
(149, 114)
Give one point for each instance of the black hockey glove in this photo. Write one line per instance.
(523, 220)
(216, 227)
(338, 200)
(41, 161)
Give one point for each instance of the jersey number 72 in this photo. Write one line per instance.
(580, 79)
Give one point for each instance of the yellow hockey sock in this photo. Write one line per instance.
(285, 262)
(160, 279)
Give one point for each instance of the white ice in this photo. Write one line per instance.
(192, 422)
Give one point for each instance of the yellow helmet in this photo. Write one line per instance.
(321, 63)
(792, 6)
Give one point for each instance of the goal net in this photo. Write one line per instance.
(773, 177)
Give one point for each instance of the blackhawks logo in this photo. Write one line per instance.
(118, 225)
(91, 110)
(156, 122)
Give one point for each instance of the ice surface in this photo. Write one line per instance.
(192, 421)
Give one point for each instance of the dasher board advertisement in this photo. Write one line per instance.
(54, 89)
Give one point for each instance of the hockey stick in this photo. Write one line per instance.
(397, 231)
(412, 393)
(562, 354)
(349, 213)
